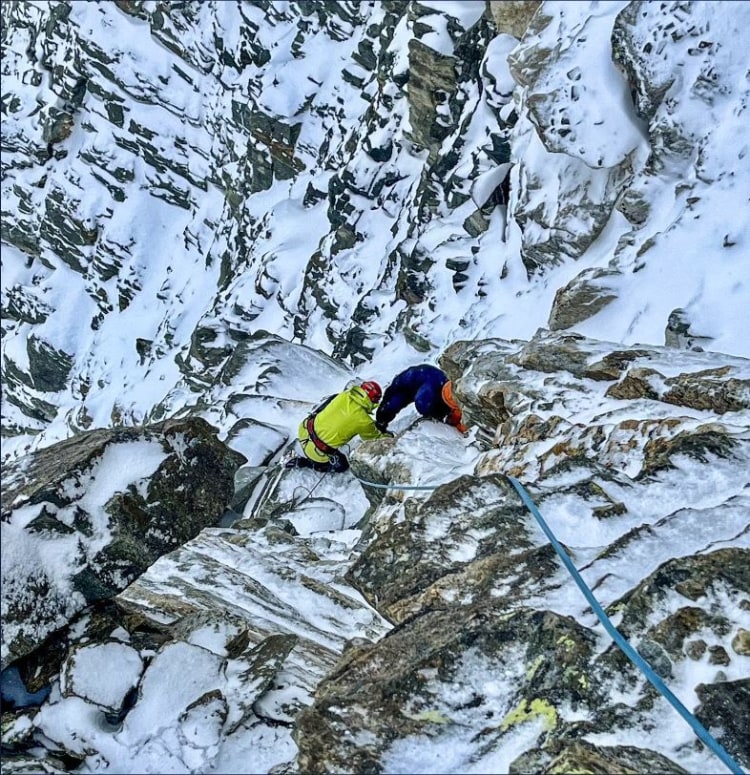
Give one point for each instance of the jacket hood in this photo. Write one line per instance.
(360, 397)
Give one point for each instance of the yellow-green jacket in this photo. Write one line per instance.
(346, 416)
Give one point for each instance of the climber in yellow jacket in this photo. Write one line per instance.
(334, 423)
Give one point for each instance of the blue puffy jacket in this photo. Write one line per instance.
(420, 384)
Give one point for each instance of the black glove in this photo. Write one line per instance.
(382, 426)
(339, 463)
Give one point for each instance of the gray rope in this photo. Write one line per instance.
(397, 486)
(294, 503)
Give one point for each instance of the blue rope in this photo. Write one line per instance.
(629, 651)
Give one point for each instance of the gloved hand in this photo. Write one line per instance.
(454, 418)
(382, 427)
(339, 463)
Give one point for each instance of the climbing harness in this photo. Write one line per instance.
(626, 648)
(309, 423)
(316, 440)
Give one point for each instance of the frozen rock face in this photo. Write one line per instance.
(187, 189)
(580, 192)
(445, 625)
(489, 645)
(225, 657)
(154, 187)
(688, 62)
(110, 502)
(513, 16)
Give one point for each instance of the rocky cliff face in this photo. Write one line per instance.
(213, 213)
(154, 185)
(444, 625)
(176, 478)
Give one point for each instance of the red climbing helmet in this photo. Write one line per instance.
(374, 393)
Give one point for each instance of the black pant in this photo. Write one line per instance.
(338, 464)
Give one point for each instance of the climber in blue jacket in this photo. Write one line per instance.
(430, 390)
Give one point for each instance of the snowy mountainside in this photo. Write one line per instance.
(353, 623)
(216, 213)
(350, 175)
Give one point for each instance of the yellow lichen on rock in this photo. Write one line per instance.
(526, 711)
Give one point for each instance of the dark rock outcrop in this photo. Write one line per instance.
(111, 502)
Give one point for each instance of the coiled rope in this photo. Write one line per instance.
(627, 649)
